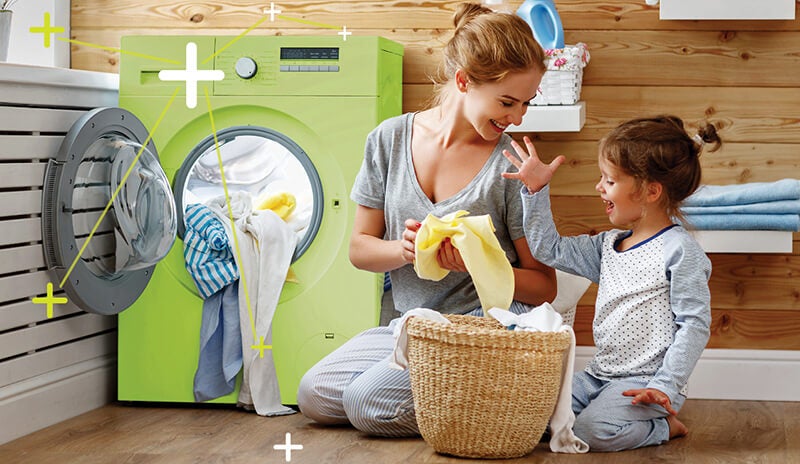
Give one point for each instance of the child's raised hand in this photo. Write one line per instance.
(651, 396)
(531, 171)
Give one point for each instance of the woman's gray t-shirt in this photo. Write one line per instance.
(387, 181)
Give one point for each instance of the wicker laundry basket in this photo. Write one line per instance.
(481, 390)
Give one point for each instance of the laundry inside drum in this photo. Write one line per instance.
(267, 170)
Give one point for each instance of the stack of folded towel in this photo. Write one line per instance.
(753, 206)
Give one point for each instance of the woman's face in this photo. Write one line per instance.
(492, 107)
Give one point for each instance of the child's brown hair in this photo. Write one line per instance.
(659, 149)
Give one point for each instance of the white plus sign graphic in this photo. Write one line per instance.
(344, 33)
(272, 11)
(191, 75)
(288, 447)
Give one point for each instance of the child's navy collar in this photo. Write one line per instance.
(628, 233)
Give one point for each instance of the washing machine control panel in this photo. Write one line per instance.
(299, 59)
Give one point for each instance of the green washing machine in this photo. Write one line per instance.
(290, 115)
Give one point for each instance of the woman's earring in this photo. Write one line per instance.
(461, 82)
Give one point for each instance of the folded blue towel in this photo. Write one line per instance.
(743, 194)
(769, 207)
(786, 222)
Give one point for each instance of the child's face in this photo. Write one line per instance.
(492, 107)
(620, 194)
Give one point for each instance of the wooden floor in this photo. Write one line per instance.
(720, 432)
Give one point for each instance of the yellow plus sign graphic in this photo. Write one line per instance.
(47, 30)
(261, 347)
(49, 300)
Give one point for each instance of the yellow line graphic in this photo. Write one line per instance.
(50, 300)
(119, 187)
(260, 347)
(310, 23)
(46, 30)
(258, 23)
(119, 50)
(233, 224)
(170, 61)
(235, 39)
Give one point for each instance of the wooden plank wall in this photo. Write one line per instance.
(740, 75)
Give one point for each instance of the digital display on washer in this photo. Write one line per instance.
(309, 53)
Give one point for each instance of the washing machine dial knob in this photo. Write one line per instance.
(246, 67)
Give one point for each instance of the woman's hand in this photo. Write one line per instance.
(651, 396)
(530, 169)
(409, 240)
(449, 257)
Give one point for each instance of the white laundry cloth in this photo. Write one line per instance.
(544, 318)
(266, 245)
(570, 290)
(400, 354)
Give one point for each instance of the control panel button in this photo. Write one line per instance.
(246, 67)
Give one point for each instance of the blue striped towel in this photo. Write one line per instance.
(207, 251)
(744, 194)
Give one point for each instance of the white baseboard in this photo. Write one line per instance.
(754, 375)
(47, 399)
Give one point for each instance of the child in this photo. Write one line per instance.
(652, 313)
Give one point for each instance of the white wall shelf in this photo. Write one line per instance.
(727, 9)
(552, 118)
(744, 241)
(727, 374)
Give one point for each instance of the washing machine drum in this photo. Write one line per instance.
(108, 211)
(264, 166)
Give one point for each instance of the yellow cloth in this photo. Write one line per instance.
(291, 276)
(483, 256)
(282, 203)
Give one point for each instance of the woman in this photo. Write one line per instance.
(437, 161)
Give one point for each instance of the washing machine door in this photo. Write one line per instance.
(108, 211)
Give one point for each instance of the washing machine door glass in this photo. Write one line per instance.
(270, 170)
(108, 211)
(139, 228)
